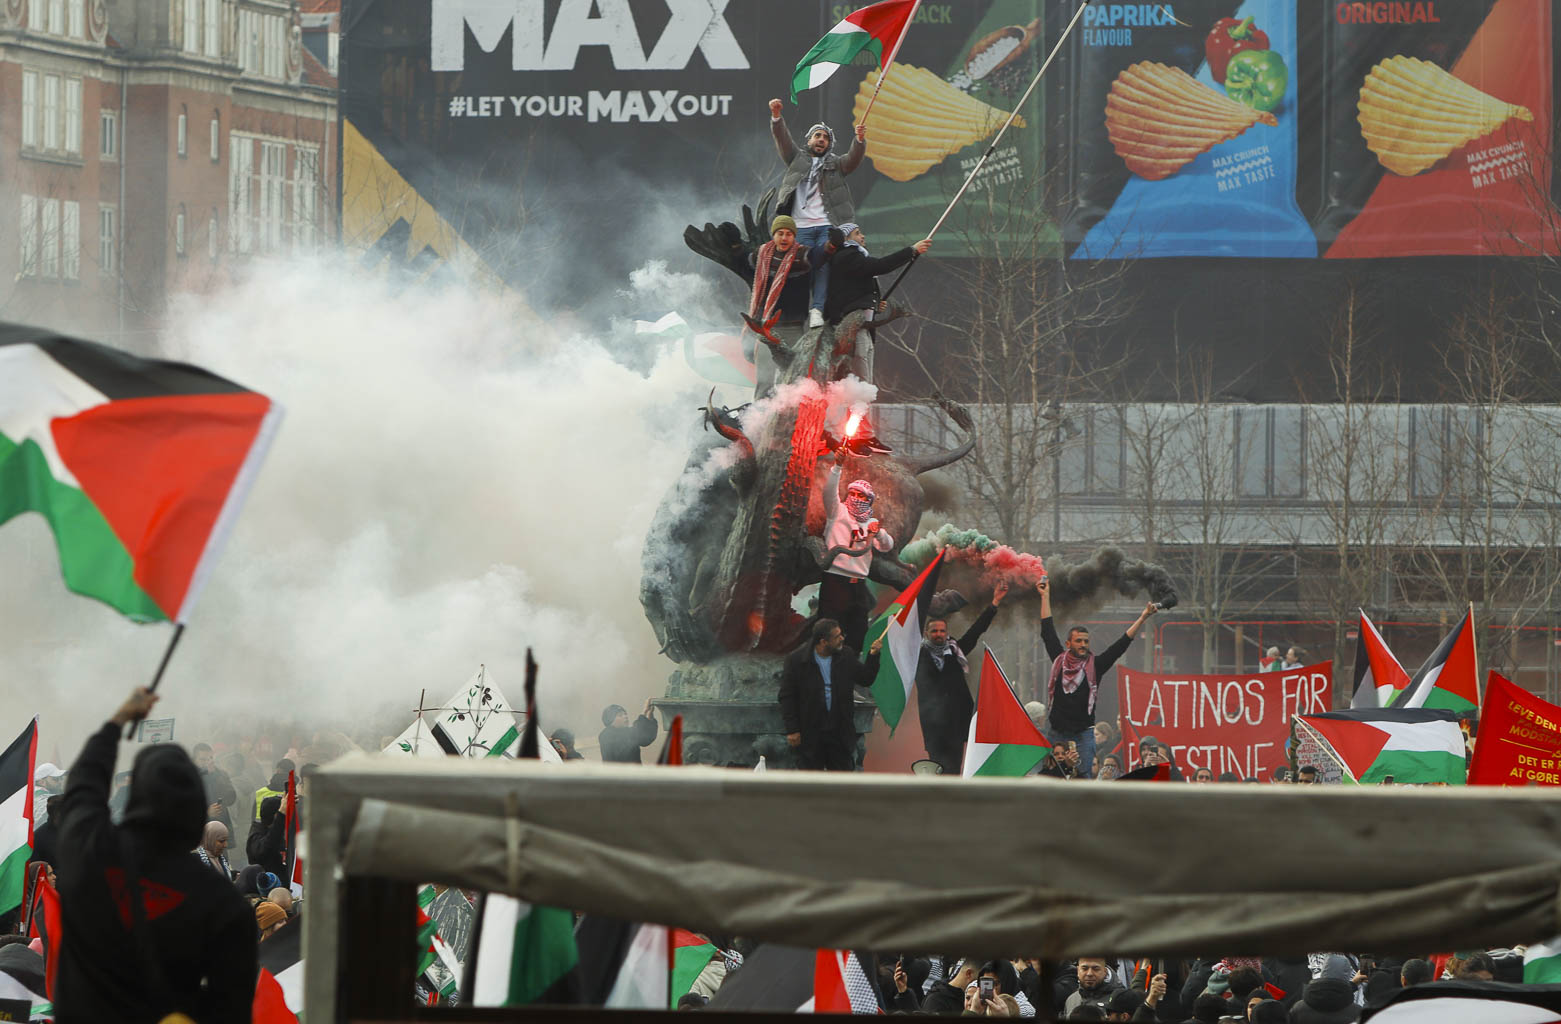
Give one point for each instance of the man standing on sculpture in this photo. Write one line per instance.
(942, 693)
(814, 191)
(817, 694)
(1075, 679)
(851, 534)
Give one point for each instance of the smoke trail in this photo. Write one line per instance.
(1087, 586)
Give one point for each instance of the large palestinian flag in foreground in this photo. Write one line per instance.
(1410, 745)
(139, 466)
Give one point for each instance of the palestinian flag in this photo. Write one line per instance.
(1448, 678)
(1148, 773)
(903, 621)
(672, 749)
(16, 814)
(279, 989)
(1003, 741)
(522, 950)
(659, 968)
(840, 985)
(532, 744)
(437, 967)
(292, 856)
(670, 326)
(1413, 745)
(1378, 675)
(877, 29)
(139, 466)
(44, 924)
(719, 358)
(1542, 963)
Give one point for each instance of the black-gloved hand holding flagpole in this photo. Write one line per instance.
(993, 147)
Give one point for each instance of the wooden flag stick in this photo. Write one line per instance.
(162, 666)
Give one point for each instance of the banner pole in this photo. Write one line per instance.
(883, 72)
(997, 139)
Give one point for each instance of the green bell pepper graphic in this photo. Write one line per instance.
(1257, 78)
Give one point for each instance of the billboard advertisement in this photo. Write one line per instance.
(599, 128)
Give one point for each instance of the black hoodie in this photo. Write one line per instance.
(193, 925)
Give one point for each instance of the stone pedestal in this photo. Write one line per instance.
(722, 722)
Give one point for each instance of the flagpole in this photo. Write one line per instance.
(162, 666)
(883, 72)
(998, 138)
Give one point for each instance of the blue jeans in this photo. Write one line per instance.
(814, 239)
(1086, 743)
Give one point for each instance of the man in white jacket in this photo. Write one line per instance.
(851, 534)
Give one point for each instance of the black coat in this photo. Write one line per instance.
(853, 279)
(943, 695)
(622, 743)
(194, 924)
(798, 291)
(802, 692)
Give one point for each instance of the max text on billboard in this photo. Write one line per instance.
(695, 25)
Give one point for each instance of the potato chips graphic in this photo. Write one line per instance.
(1160, 118)
(1413, 114)
(920, 120)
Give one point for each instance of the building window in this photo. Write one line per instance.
(57, 17)
(192, 26)
(241, 160)
(273, 194)
(211, 235)
(216, 137)
(73, 116)
(108, 135)
(76, 15)
(1091, 454)
(51, 112)
(29, 110)
(184, 132)
(306, 171)
(49, 239)
(29, 236)
(1446, 445)
(106, 239)
(249, 41)
(213, 28)
(178, 231)
(1271, 452)
(70, 241)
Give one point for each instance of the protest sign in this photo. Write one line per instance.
(1519, 743)
(1228, 723)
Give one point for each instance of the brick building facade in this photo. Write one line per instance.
(148, 148)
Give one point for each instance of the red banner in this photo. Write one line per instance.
(1520, 738)
(1228, 723)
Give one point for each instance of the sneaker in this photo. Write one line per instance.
(815, 318)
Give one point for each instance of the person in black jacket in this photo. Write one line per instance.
(942, 692)
(267, 842)
(854, 285)
(621, 741)
(853, 272)
(186, 942)
(817, 692)
(1075, 678)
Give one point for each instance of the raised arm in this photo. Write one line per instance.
(85, 804)
(783, 144)
(1048, 631)
(973, 634)
(858, 150)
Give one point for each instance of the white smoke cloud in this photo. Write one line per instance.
(452, 483)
